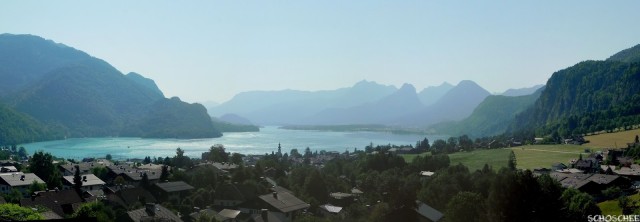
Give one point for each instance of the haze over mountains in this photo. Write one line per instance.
(364, 103)
(58, 91)
(52, 91)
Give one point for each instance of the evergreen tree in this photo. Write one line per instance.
(164, 175)
(512, 161)
(77, 180)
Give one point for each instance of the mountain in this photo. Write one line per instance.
(87, 97)
(456, 104)
(430, 95)
(295, 106)
(235, 119)
(175, 119)
(587, 97)
(393, 106)
(628, 55)
(522, 91)
(146, 82)
(234, 123)
(491, 117)
(16, 127)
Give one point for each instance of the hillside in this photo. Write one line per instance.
(587, 97)
(87, 97)
(16, 127)
(491, 117)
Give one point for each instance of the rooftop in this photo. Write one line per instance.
(174, 186)
(87, 180)
(19, 179)
(285, 202)
(154, 212)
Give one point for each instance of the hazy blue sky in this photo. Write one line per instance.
(211, 50)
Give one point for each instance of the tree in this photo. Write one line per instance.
(41, 164)
(236, 158)
(218, 154)
(512, 161)
(315, 187)
(466, 206)
(579, 205)
(637, 139)
(164, 174)
(95, 210)
(22, 153)
(35, 186)
(144, 182)
(13, 212)
(77, 180)
(109, 157)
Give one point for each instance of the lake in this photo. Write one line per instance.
(261, 142)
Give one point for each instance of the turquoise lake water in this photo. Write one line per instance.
(261, 142)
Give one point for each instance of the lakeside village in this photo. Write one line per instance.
(375, 184)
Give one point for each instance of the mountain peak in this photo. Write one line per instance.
(407, 87)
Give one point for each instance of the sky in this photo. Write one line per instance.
(211, 50)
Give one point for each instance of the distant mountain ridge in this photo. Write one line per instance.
(522, 91)
(84, 96)
(364, 103)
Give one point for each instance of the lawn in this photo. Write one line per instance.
(612, 140)
(476, 159)
(538, 156)
(527, 157)
(610, 207)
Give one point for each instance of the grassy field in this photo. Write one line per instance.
(610, 207)
(527, 157)
(612, 140)
(474, 160)
(538, 156)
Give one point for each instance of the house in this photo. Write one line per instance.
(90, 182)
(227, 215)
(427, 212)
(227, 195)
(356, 192)
(269, 216)
(8, 169)
(171, 190)
(61, 202)
(153, 212)
(70, 168)
(128, 196)
(331, 210)
(587, 165)
(284, 202)
(426, 173)
(20, 181)
(133, 176)
(558, 166)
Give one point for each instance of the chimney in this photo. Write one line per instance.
(265, 214)
(275, 195)
(151, 209)
(22, 177)
(84, 178)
